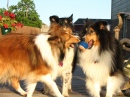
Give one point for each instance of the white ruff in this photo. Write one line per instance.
(67, 62)
(98, 71)
(45, 48)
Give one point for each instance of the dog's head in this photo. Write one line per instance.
(64, 36)
(65, 23)
(87, 22)
(63, 40)
(97, 34)
(62, 28)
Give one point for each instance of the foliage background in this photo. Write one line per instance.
(25, 13)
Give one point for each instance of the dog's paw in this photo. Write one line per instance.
(70, 90)
(25, 95)
(45, 91)
(119, 94)
(65, 94)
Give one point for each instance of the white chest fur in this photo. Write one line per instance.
(67, 61)
(95, 66)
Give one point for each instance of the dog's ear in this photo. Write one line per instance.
(71, 18)
(102, 25)
(86, 20)
(54, 18)
(54, 39)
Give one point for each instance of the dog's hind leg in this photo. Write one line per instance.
(46, 90)
(47, 79)
(16, 86)
(114, 84)
(93, 87)
(119, 92)
(111, 87)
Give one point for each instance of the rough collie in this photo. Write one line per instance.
(67, 64)
(33, 58)
(102, 63)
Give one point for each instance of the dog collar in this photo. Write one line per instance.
(61, 63)
(96, 61)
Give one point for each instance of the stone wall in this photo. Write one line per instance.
(26, 30)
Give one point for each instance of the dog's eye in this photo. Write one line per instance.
(90, 31)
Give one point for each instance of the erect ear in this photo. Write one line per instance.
(54, 18)
(71, 18)
(102, 24)
(86, 20)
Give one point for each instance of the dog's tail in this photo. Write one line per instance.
(118, 27)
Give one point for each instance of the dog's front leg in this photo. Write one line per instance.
(47, 79)
(30, 88)
(67, 76)
(93, 88)
(70, 82)
(16, 85)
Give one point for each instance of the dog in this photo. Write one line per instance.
(83, 45)
(65, 22)
(33, 58)
(67, 66)
(87, 22)
(102, 63)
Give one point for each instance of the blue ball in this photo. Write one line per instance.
(84, 44)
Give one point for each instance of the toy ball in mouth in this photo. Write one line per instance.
(83, 44)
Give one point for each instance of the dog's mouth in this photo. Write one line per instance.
(72, 45)
(71, 42)
(90, 44)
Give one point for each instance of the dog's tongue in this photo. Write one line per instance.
(72, 45)
(90, 43)
(61, 63)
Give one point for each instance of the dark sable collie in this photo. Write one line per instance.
(66, 22)
(102, 63)
(66, 66)
(33, 58)
(87, 22)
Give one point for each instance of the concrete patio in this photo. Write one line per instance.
(78, 86)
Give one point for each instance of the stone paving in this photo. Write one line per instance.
(78, 86)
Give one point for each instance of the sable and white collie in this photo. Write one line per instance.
(33, 58)
(102, 63)
(68, 63)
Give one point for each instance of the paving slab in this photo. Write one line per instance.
(37, 95)
(78, 87)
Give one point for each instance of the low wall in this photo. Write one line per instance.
(26, 30)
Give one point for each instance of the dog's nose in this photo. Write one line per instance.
(77, 37)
